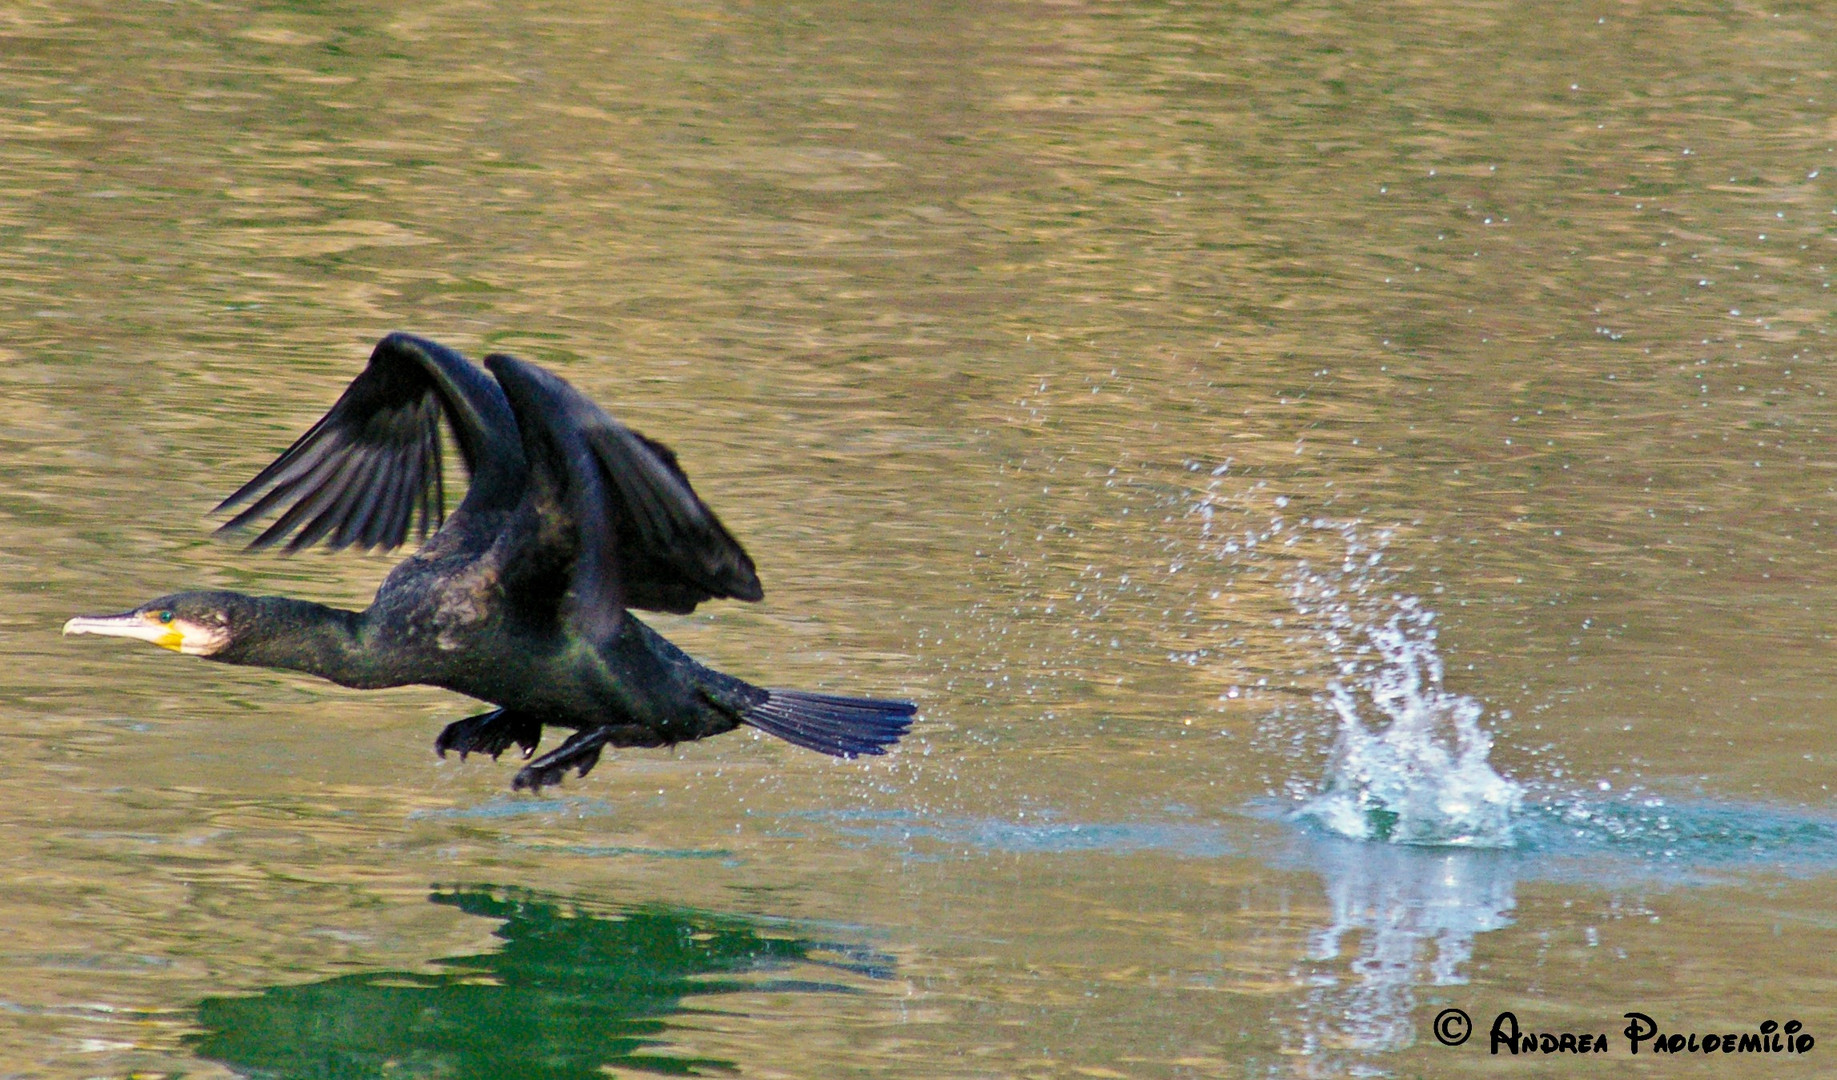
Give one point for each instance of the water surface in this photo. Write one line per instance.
(1100, 376)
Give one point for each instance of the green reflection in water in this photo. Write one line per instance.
(569, 995)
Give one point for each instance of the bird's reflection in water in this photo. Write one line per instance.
(569, 995)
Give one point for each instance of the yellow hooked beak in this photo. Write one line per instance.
(159, 627)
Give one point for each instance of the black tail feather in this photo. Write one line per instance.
(842, 726)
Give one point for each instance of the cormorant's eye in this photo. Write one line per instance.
(165, 616)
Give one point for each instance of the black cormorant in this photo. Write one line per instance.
(520, 597)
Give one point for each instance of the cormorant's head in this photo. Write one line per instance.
(194, 623)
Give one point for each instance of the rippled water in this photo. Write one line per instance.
(1415, 414)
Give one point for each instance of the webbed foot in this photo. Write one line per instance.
(581, 751)
(490, 733)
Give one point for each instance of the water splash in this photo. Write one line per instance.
(1409, 760)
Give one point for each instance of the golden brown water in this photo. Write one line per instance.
(998, 333)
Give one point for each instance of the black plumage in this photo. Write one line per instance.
(521, 597)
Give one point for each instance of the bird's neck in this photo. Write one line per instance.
(299, 635)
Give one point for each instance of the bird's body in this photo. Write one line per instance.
(520, 598)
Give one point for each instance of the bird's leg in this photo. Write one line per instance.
(582, 751)
(490, 733)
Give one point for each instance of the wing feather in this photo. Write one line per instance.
(645, 539)
(370, 468)
(330, 505)
(667, 536)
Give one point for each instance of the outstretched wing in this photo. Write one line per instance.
(646, 539)
(370, 468)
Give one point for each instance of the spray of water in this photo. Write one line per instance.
(1409, 762)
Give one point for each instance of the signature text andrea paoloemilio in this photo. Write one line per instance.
(1643, 1034)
